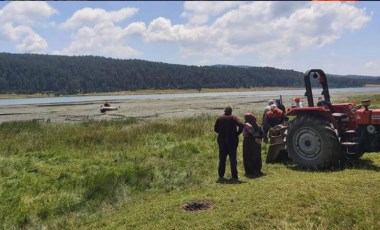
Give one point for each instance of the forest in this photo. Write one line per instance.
(36, 73)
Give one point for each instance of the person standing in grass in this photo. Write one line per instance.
(253, 135)
(280, 105)
(297, 102)
(267, 108)
(228, 127)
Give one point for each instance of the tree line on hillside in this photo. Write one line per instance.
(32, 73)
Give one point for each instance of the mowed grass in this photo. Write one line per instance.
(132, 174)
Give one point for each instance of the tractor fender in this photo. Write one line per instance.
(321, 112)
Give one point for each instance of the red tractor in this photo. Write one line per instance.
(323, 136)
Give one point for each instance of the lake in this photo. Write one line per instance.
(78, 99)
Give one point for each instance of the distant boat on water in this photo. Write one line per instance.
(104, 109)
(107, 107)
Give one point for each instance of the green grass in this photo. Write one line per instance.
(375, 99)
(133, 174)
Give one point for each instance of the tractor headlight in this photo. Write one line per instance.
(371, 129)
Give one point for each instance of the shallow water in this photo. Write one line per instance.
(81, 99)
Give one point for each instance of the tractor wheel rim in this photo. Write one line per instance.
(308, 143)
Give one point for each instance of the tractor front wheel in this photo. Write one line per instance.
(311, 142)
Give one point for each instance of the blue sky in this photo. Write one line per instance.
(339, 37)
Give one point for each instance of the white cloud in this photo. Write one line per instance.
(17, 21)
(92, 17)
(32, 43)
(371, 65)
(104, 39)
(199, 12)
(99, 41)
(95, 32)
(161, 29)
(372, 68)
(135, 28)
(26, 13)
(265, 29)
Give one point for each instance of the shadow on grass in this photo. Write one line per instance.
(255, 176)
(361, 164)
(364, 164)
(229, 181)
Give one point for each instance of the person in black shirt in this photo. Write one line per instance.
(228, 127)
(280, 105)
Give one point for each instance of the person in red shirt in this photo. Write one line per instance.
(228, 127)
(273, 117)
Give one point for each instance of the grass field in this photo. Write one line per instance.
(132, 174)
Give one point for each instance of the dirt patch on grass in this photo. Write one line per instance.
(197, 205)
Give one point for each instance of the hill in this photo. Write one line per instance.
(357, 76)
(33, 73)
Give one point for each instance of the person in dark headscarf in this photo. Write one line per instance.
(228, 127)
(253, 135)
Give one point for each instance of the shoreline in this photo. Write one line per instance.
(145, 92)
(156, 91)
(146, 108)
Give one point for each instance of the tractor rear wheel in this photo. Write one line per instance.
(311, 142)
